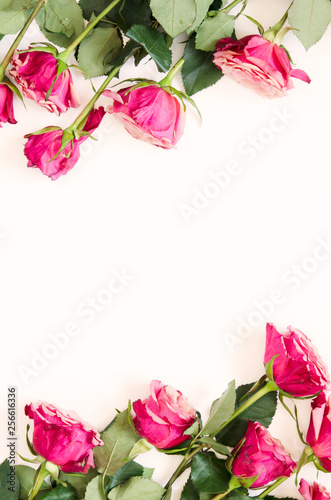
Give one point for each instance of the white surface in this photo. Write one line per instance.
(194, 282)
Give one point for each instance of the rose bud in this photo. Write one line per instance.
(257, 63)
(164, 416)
(6, 104)
(297, 368)
(315, 492)
(42, 148)
(149, 113)
(62, 438)
(319, 432)
(36, 73)
(258, 459)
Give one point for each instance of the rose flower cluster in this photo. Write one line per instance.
(151, 111)
(232, 451)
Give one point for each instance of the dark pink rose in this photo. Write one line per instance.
(259, 454)
(298, 369)
(257, 63)
(6, 105)
(315, 492)
(41, 149)
(150, 114)
(35, 72)
(319, 431)
(62, 438)
(164, 416)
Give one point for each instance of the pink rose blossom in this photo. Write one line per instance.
(6, 105)
(62, 438)
(41, 149)
(259, 454)
(298, 369)
(315, 492)
(164, 416)
(257, 63)
(35, 72)
(150, 114)
(319, 430)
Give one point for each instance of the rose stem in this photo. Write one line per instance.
(64, 56)
(231, 6)
(270, 386)
(41, 474)
(167, 80)
(272, 487)
(18, 39)
(88, 108)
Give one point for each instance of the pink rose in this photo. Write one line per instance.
(315, 492)
(297, 369)
(62, 438)
(319, 430)
(150, 114)
(6, 105)
(35, 72)
(257, 63)
(259, 454)
(164, 416)
(42, 148)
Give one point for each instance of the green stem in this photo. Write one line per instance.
(167, 80)
(80, 120)
(18, 39)
(233, 485)
(64, 56)
(39, 478)
(229, 7)
(268, 387)
(272, 32)
(272, 487)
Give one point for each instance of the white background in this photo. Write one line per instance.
(191, 314)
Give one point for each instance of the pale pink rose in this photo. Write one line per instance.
(257, 63)
(62, 438)
(259, 454)
(314, 492)
(6, 105)
(164, 416)
(41, 149)
(319, 430)
(150, 114)
(35, 72)
(298, 369)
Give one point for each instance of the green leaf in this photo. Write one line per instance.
(209, 474)
(79, 481)
(198, 71)
(202, 10)
(134, 12)
(137, 488)
(60, 492)
(61, 21)
(213, 29)
(154, 43)
(128, 470)
(221, 410)
(11, 21)
(25, 475)
(24, 4)
(94, 490)
(261, 411)
(119, 439)
(189, 492)
(309, 19)
(175, 16)
(218, 447)
(94, 48)
(9, 484)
